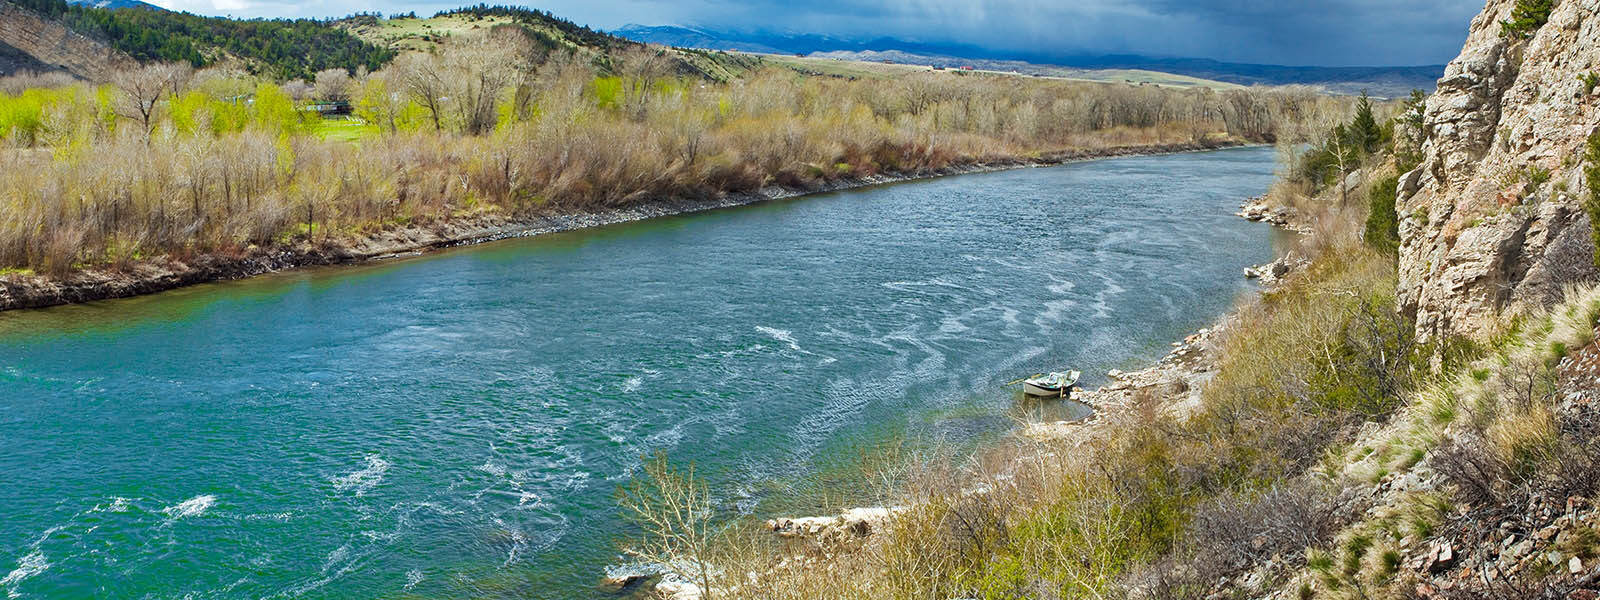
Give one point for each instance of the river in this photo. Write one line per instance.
(455, 425)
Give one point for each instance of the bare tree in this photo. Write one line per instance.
(640, 70)
(298, 89)
(674, 510)
(481, 69)
(1346, 158)
(423, 78)
(922, 91)
(332, 85)
(466, 80)
(143, 88)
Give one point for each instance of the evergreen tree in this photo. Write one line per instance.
(1527, 17)
(1383, 221)
(1365, 133)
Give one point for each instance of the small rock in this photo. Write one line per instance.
(1521, 549)
(1444, 557)
(1575, 565)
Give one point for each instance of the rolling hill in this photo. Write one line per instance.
(92, 38)
(411, 33)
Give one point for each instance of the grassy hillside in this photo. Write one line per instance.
(408, 32)
(552, 36)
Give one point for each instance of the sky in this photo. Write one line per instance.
(1283, 32)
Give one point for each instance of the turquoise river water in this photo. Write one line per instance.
(456, 425)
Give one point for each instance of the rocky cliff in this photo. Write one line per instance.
(47, 43)
(1493, 218)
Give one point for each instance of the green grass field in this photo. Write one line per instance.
(345, 130)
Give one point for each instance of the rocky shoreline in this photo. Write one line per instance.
(19, 291)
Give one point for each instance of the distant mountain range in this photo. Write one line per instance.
(1382, 81)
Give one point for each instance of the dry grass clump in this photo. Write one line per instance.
(1022, 520)
(1516, 436)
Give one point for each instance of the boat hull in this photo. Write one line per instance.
(1033, 389)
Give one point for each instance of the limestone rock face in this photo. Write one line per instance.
(1483, 230)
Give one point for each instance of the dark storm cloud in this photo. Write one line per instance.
(1331, 32)
(1335, 32)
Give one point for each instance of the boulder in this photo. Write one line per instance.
(621, 581)
(622, 577)
(856, 522)
(672, 588)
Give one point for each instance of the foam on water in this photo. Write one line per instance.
(29, 565)
(528, 499)
(192, 507)
(364, 479)
(1102, 298)
(781, 335)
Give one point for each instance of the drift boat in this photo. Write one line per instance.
(1050, 384)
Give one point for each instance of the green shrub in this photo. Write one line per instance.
(1383, 223)
(1343, 150)
(1590, 81)
(1527, 17)
(1538, 176)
